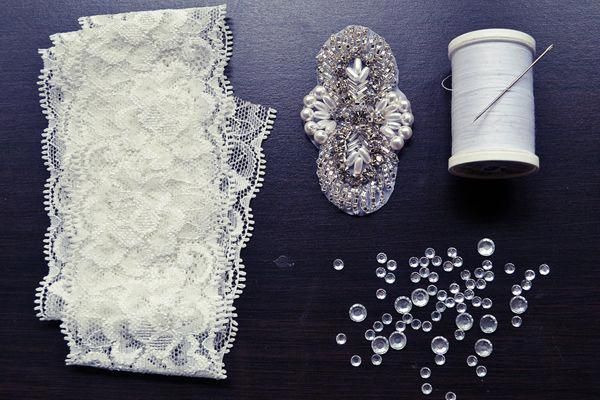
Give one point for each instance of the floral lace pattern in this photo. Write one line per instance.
(153, 164)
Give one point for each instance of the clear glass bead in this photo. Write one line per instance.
(457, 262)
(440, 345)
(481, 371)
(442, 294)
(436, 261)
(449, 302)
(489, 276)
(486, 303)
(465, 274)
(479, 273)
(433, 277)
(525, 284)
(355, 360)
(402, 304)
(426, 388)
(450, 396)
(440, 359)
(380, 272)
(407, 318)
(392, 265)
(461, 308)
(376, 359)
(340, 338)
(380, 344)
(415, 277)
(357, 312)
(436, 316)
(469, 294)
(426, 326)
(370, 334)
(378, 326)
(459, 335)
(386, 318)
(419, 297)
(518, 304)
(452, 252)
(400, 326)
(432, 290)
(530, 274)
(480, 284)
(483, 348)
(397, 340)
(338, 264)
(381, 258)
(544, 269)
(476, 302)
(390, 278)
(448, 266)
(488, 323)
(413, 262)
(472, 361)
(516, 290)
(516, 321)
(425, 372)
(424, 262)
(486, 247)
(440, 306)
(381, 294)
(459, 297)
(470, 284)
(454, 288)
(464, 321)
(486, 265)
(424, 272)
(429, 252)
(416, 324)
(509, 268)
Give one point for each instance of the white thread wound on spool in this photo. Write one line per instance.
(502, 142)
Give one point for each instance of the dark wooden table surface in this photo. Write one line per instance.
(289, 316)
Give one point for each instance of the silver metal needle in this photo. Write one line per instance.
(513, 82)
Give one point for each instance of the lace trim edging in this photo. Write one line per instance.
(237, 262)
(42, 289)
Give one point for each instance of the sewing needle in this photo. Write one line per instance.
(513, 82)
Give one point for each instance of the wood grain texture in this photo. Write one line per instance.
(288, 317)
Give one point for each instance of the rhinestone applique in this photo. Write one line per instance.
(358, 118)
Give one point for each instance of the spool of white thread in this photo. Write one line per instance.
(501, 143)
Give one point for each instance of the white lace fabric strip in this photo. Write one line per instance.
(152, 164)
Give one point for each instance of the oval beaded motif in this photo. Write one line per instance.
(358, 118)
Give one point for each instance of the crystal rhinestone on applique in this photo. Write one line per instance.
(358, 118)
